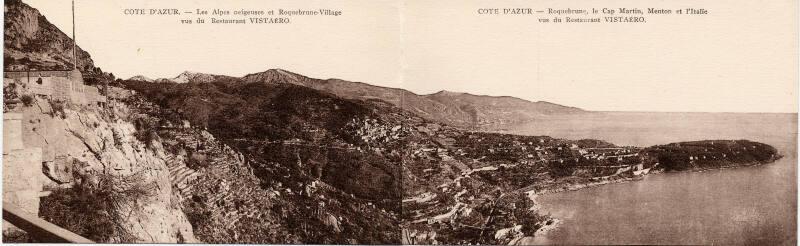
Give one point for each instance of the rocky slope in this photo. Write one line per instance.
(106, 182)
(33, 42)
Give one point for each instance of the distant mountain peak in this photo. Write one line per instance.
(190, 77)
(276, 75)
(188, 73)
(448, 93)
(140, 78)
(279, 70)
(185, 77)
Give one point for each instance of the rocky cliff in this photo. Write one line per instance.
(32, 42)
(102, 172)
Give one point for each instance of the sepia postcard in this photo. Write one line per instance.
(400, 122)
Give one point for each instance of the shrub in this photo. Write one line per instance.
(27, 100)
(197, 161)
(58, 108)
(16, 236)
(95, 210)
(677, 161)
(10, 91)
(146, 130)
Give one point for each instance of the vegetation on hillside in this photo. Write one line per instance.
(293, 136)
(98, 202)
(464, 186)
(711, 154)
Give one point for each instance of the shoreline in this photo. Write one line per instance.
(527, 239)
(575, 187)
(580, 186)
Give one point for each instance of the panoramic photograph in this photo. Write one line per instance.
(400, 122)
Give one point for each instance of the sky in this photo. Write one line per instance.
(741, 57)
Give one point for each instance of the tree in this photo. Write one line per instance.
(674, 160)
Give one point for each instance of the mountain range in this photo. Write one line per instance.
(32, 42)
(453, 108)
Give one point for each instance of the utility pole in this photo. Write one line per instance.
(74, 42)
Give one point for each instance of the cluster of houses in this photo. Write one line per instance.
(535, 151)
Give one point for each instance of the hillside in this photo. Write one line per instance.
(31, 41)
(392, 168)
(453, 108)
(457, 109)
(349, 161)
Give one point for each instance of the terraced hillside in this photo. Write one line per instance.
(371, 172)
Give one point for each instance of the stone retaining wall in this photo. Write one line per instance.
(23, 180)
(58, 85)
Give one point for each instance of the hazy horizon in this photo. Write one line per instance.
(669, 65)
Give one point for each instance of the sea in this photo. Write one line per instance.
(754, 205)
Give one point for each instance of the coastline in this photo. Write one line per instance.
(580, 186)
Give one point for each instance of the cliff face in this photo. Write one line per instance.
(99, 171)
(107, 180)
(32, 41)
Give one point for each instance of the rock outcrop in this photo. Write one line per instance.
(82, 145)
(32, 42)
